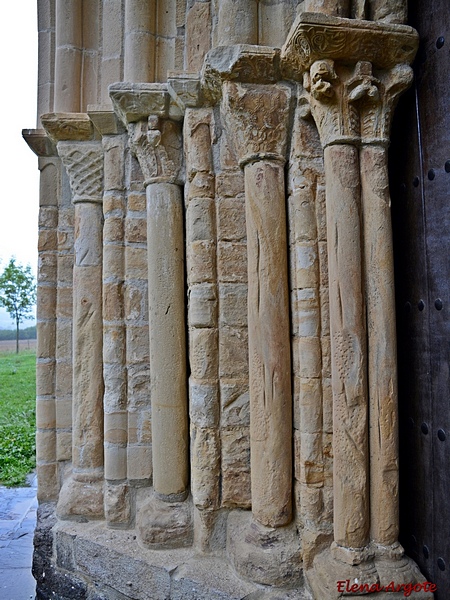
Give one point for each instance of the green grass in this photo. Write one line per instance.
(17, 416)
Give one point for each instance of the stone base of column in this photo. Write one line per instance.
(266, 555)
(81, 497)
(378, 577)
(165, 523)
(392, 565)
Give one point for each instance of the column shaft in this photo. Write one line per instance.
(46, 458)
(237, 22)
(139, 59)
(382, 350)
(348, 347)
(87, 340)
(68, 56)
(167, 339)
(336, 8)
(269, 344)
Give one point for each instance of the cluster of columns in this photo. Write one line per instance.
(352, 103)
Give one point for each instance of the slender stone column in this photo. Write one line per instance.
(139, 59)
(82, 493)
(46, 410)
(257, 117)
(164, 519)
(237, 22)
(348, 347)
(329, 100)
(336, 8)
(379, 285)
(352, 102)
(166, 305)
(382, 350)
(68, 62)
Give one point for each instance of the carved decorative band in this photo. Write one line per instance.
(136, 101)
(314, 37)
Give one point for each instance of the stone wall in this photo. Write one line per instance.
(212, 304)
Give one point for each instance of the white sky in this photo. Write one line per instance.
(19, 173)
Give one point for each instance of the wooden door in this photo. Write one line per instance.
(420, 188)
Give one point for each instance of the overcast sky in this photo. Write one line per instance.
(19, 165)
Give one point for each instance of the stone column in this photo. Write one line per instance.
(165, 242)
(237, 22)
(257, 117)
(352, 102)
(68, 61)
(376, 114)
(139, 51)
(164, 519)
(46, 421)
(117, 496)
(347, 307)
(82, 492)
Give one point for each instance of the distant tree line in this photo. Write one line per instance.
(29, 333)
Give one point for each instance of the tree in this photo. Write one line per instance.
(17, 293)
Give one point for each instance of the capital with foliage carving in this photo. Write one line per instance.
(258, 116)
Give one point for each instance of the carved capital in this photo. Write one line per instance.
(258, 117)
(157, 144)
(83, 162)
(376, 116)
(354, 104)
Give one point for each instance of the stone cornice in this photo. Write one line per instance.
(39, 142)
(64, 127)
(318, 37)
(134, 102)
(184, 88)
(244, 63)
(105, 119)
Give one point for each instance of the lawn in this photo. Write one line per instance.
(17, 416)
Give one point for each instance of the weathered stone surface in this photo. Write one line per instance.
(198, 26)
(202, 307)
(205, 476)
(114, 309)
(203, 403)
(247, 543)
(162, 524)
(236, 487)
